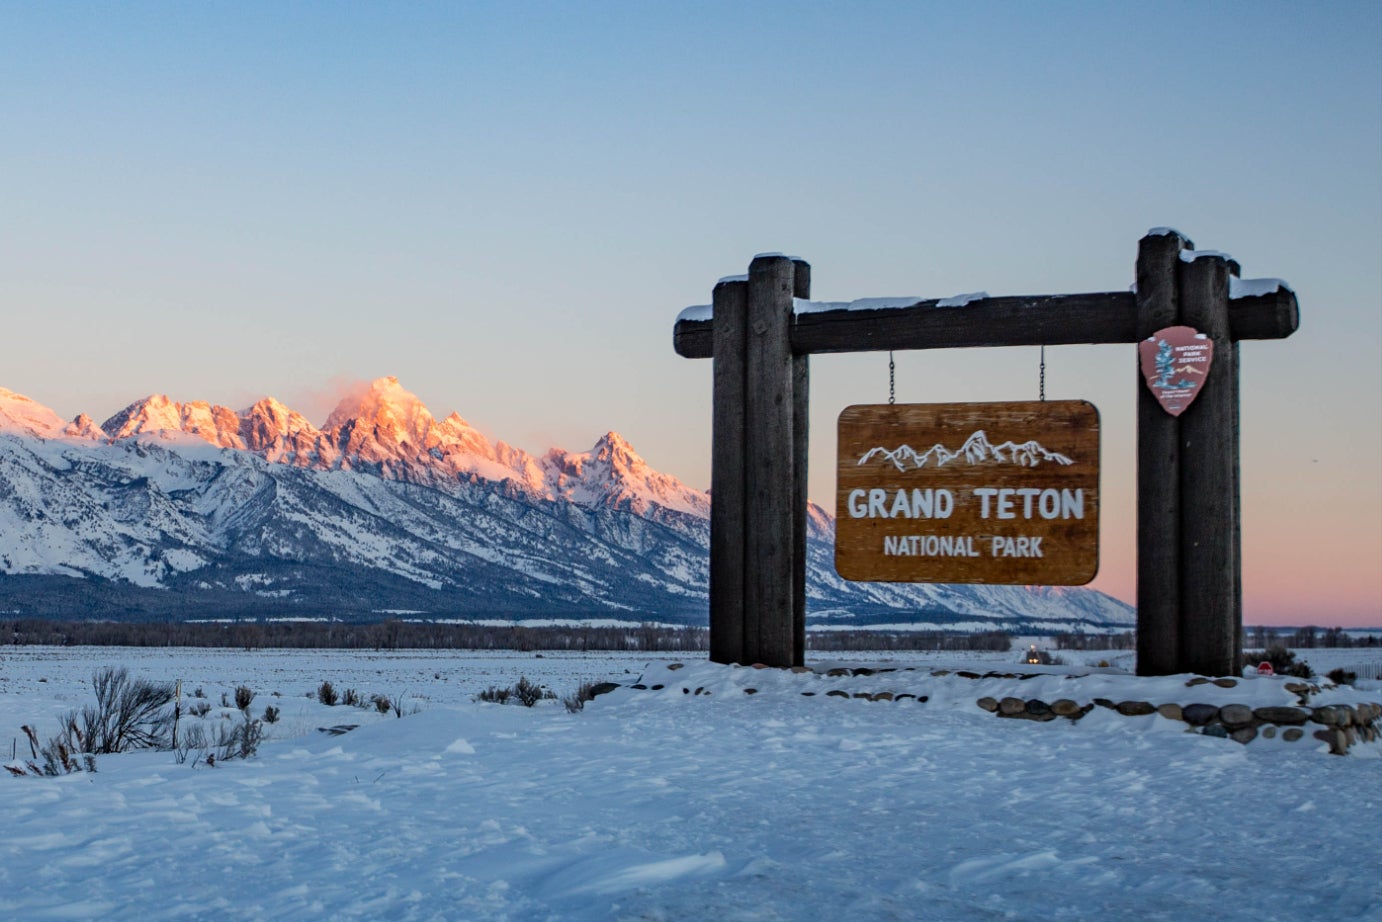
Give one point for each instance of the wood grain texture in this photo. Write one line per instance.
(1002, 537)
(1032, 320)
(801, 420)
(727, 475)
(770, 466)
(1209, 484)
(1158, 470)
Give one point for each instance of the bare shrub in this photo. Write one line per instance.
(326, 694)
(524, 692)
(128, 714)
(199, 708)
(193, 739)
(381, 703)
(243, 697)
(1283, 661)
(575, 701)
(270, 714)
(240, 741)
(1341, 676)
(495, 695)
(352, 698)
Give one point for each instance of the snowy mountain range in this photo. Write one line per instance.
(977, 449)
(180, 510)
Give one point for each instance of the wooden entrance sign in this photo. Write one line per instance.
(761, 331)
(1003, 493)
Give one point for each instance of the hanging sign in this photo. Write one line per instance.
(969, 493)
(1175, 362)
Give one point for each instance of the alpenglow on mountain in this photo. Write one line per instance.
(190, 510)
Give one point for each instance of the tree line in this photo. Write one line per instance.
(425, 635)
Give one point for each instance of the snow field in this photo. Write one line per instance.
(671, 805)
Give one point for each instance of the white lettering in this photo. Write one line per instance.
(876, 500)
(1005, 503)
(984, 493)
(1072, 504)
(856, 504)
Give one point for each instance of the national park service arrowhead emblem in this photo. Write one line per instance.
(1175, 363)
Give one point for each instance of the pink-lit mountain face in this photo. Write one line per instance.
(384, 429)
(171, 507)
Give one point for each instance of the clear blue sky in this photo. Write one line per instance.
(506, 204)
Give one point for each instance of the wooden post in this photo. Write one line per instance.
(1158, 470)
(801, 418)
(770, 534)
(1210, 611)
(727, 476)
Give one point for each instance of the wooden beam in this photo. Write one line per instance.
(1209, 483)
(1028, 320)
(769, 535)
(801, 424)
(1158, 470)
(727, 477)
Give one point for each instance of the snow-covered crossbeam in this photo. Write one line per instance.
(1258, 309)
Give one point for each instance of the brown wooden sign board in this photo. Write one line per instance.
(969, 493)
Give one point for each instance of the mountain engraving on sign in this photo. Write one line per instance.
(1022, 511)
(976, 450)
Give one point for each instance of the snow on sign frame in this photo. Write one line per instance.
(1004, 493)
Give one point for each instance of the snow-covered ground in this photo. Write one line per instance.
(668, 804)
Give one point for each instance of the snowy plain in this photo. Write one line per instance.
(668, 804)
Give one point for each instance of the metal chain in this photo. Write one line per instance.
(1041, 386)
(892, 379)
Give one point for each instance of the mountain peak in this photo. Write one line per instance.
(394, 412)
(27, 415)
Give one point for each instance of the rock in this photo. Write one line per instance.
(1285, 716)
(862, 671)
(837, 672)
(750, 691)
(941, 672)
(1226, 683)
(1197, 715)
(1298, 688)
(800, 669)
(883, 696)
(1134, 708)
(760, 665)
(1269, 732)
(1244, 735)
(1009, 707)
(1104, 703)
(1198, 680)
(1170, 711)
(1216, 730)
(808, 694)
(836, 693)
(687, 691)
(902, 696)
(1038, 708)
(1338, 742)
(640, 687)
(865, 695)
(1292, 734)
(1235, 715)
(1064, 707)
(604, 688)
(675, 666)
(1327, 715)
(967, 675)
(659, 687)
(922, 699)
